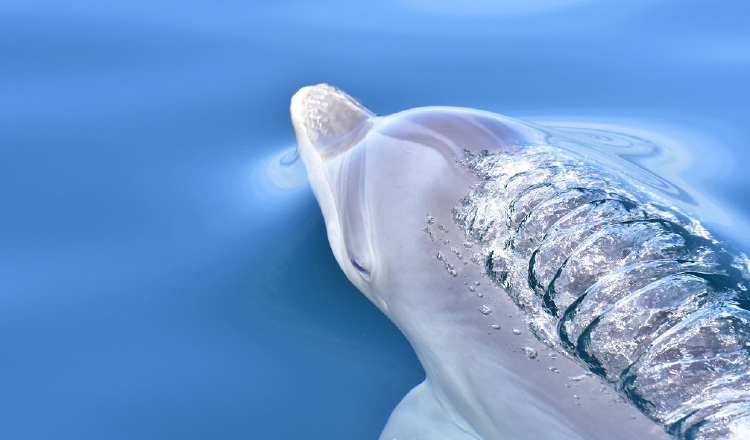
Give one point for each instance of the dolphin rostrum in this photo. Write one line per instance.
(546, 296)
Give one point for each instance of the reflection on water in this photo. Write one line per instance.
(653, 160)
(676, 163)
(285, 170)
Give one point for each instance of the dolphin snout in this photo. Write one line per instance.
(328, 120)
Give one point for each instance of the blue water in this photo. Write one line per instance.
(154, 283)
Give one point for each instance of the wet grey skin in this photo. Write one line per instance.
(545, 296)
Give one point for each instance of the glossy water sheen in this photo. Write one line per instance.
(618, 277)
(164, 275)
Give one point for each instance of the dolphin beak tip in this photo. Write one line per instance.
(323, 116)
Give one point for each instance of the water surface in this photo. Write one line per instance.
(155, 283)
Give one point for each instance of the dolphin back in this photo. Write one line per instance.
(631, 287)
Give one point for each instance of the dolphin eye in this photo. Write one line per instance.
(364, 272)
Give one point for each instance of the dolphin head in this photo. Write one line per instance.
(378, 179)
(388, 188)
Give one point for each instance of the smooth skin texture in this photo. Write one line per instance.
(387, 187)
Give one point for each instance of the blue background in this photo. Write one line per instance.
(154, 284)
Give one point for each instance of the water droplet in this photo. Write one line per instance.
(458, 254)
(554, 370)
(429, 233)
(440, 256)
(581, 377)
(477, 283)
(445, 242)
(552, 355)
(430, 219)
(471, 288)
(530, 352)
(495, 326)
(485, 310)
(516, 331)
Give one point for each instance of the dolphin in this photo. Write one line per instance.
(545, 297)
